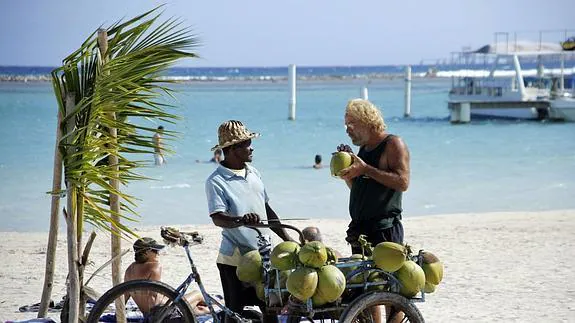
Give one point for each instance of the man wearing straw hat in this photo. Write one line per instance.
(237, 196)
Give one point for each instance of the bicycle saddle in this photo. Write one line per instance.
(175, 236)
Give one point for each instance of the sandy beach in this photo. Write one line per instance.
(498, 266)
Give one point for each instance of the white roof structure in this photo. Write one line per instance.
(519, 48)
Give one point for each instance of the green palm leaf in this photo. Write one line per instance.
(126, 82)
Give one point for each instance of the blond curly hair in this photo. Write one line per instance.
(366, 113)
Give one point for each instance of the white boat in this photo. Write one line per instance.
(563, 108)
(516, 94)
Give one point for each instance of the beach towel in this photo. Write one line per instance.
(52, 307)
(37, 320)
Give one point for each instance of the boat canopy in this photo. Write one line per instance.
(519, 48)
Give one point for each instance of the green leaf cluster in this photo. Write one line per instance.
(110, 87)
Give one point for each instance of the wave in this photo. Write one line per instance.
(15, 74)
(169, 187)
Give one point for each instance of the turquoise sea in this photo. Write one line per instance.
(484, 166)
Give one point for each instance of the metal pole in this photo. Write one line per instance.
(292, 89)
(364, 94)
(407, 111)
(562, 79)
(519, 76)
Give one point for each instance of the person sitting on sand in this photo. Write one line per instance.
(147, 265)
(317, 164)
(313, 234)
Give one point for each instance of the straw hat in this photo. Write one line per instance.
(233, 132)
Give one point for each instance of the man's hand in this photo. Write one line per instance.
(357, 168)
(250, 218)
(345, 148)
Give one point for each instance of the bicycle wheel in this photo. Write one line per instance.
(396, 309)
(168, 311)
(297, 319)
(322, 317)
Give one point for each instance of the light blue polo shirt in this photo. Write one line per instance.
(236, 195)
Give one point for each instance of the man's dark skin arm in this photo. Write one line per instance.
(224, 220)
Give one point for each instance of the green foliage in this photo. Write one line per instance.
(109, 90)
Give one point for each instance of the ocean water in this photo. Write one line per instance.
(483, 166)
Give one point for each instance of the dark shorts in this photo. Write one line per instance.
(393, 234)
(238, 294)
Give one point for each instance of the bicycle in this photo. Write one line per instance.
(175, 306)
(355, 307)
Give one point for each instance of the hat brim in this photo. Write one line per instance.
(157, 247)
(237, 141)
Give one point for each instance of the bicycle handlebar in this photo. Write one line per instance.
(175, 236)
(276, 224)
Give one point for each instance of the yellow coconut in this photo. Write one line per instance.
(376, 277)
(411, 277)
(284, 255)
(331, 256)
(389, 256)
(433, 268)
(330, 285)
(250, 268)
(339, 161)
(259, 286)
(302, 283)
(313, 254)
(429, 287)
(358, 278)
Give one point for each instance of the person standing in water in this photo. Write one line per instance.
(158, 149)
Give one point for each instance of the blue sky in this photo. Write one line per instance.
(277, 33)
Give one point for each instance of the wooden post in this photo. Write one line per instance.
(292, 86)
(562, 73)
(71, 228)
(465, 112)
(53, 234)
(407, 108)
(363, 93)
(116, 245)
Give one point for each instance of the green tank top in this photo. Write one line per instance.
(372, 205)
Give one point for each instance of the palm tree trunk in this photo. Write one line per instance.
(73, 274)
(116, 244)
(72, 226)
(53, 235)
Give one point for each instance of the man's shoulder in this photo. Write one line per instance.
(216, 175)
(142, 270)
(253, 170)
(397, 141)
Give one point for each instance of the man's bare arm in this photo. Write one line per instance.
(396, 164)
(224, 220)
(397, 160)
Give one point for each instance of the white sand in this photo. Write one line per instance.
(498, 266)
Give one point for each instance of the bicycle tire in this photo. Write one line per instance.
(318, 317)
(119, 290)
(353, 312)
(298, 319)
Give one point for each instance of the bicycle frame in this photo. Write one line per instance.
(264, 247)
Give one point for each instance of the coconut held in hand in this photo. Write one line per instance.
(339, 161)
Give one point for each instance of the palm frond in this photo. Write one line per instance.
(109, 94)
